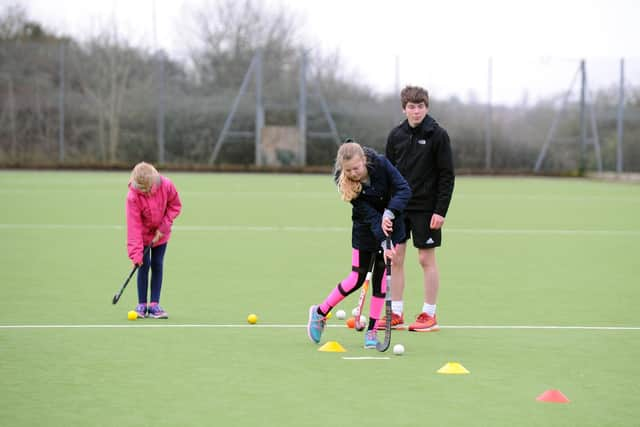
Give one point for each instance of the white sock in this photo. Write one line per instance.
(397, 307)
(430, 309)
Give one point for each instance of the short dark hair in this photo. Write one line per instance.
(415, 94)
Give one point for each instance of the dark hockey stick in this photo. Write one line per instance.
(117, 296)
(384, 345)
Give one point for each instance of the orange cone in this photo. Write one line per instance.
(553, 396)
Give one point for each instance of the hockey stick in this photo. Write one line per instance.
(359, 326)
(384, 345)
(117, 296)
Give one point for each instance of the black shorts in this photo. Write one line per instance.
(417, 226)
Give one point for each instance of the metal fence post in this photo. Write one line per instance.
(61, 147)
(302, 110)
(259, 108)
(620, 120)
(583, 120)
(160, 87)
(487, 136)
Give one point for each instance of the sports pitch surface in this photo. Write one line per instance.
(539, 291)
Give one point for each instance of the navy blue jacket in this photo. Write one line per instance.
(387, 189)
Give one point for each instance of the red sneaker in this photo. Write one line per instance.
(397, 322)
(424, 323)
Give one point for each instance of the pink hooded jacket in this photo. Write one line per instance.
(148, 212)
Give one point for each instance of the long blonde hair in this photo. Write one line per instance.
(143, 176)
(348, 188)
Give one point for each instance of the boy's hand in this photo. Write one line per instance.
(437, 221)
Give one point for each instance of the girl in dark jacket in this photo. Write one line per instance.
(378, 194)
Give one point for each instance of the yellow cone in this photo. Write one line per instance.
(453, 368)
(332, 346)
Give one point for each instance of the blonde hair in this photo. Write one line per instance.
(143, 176)
(348, 188)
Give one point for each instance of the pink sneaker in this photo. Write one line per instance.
(157, 312)
(141, 310)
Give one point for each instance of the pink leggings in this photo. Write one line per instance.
(360, 262)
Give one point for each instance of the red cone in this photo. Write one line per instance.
(554, 396)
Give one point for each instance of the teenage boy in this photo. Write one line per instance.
(420, 149)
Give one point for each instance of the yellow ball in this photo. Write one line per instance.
(252, 318)
(132, 315)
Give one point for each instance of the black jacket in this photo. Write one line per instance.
(387, 189)
(423, 156)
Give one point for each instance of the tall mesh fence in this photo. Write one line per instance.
(63, 103)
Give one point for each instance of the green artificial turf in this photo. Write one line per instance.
(539, 288)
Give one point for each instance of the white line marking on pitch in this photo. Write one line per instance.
(156, 325)
(365, 358)
(304, 229)
(191, 325)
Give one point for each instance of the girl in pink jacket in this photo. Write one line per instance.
(152, 205)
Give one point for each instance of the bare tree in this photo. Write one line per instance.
(12, 22)
(15, 25)
(229, 32)
(106, 68)
(26, 83)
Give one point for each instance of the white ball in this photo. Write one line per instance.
(340, 314)
(354, 311)
(398, 349)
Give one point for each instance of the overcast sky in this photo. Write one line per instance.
(442, 45)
